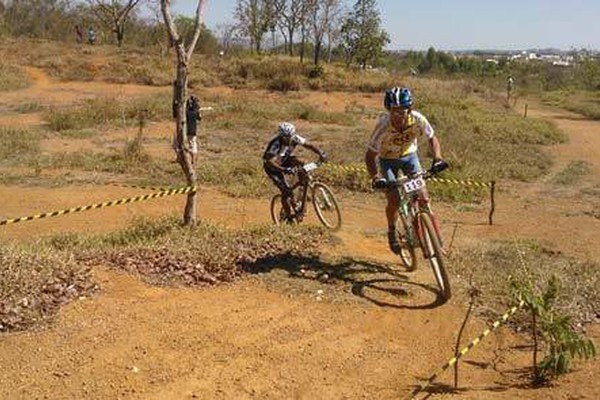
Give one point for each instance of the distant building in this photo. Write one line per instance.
(561, 63)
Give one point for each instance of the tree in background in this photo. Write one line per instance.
(207, 42)
(333, 31)
(3, 25)
(322, 15)
(114, 14)
(254, 18)
(272, 16)
(305, 25)
(150, 31)
(590, 73)
(184, 54)
(290, 14)
(48, 19)
(363, 39)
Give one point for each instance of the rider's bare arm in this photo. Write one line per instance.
(314, 149)
(375, 144)
(370, 157)
(435, 148)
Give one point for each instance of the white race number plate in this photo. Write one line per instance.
(414, 184)
(310, 166)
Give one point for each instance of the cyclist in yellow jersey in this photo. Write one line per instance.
(394, 142)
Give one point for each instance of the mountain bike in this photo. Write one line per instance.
(420, 230)
(321, 196)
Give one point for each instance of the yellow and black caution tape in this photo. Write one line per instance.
(153, 188)
(491, 184)
(360, 168)
(164, 193)
(347, 167)
(465, 350)
(461, 182)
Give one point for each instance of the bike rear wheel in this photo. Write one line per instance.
(326, 206)
(277, 212)
(433, 253)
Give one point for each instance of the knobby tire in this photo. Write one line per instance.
(433, 252)
(324, 200)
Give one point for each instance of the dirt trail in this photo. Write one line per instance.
(258, 338)
(47, 91)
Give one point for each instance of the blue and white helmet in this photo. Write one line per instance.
(286, 129)
(398, 97)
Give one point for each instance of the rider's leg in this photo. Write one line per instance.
(294, 162)
(286, 191)
(391, 213)
(389, 169)
(288, 202)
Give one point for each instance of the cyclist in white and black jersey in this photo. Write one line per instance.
(279, 161)
(394, 143)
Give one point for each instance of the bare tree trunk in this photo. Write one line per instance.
(285, 45)
(120, 30)
(302, 44)
(291, 41)
(317, 53)
(184, 157)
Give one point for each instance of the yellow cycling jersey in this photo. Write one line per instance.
(390, 143)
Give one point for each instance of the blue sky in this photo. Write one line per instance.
(466, 24)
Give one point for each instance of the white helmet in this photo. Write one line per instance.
(286, 129)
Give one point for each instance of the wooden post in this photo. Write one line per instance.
(525, 112)
(493, 202)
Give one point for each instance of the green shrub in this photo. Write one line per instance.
(316, 71)
(555, 328)
(494, 263)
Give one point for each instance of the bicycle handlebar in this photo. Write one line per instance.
(435, 169)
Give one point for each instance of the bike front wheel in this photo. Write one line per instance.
(326, 206)
(407, 254)
(432, 251)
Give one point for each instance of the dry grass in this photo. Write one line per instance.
(573, 172)
(586, 103)
(34, 282)
(205, 254)
(12, 77)
(18, 145)
(106, 112)
(492, 264)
